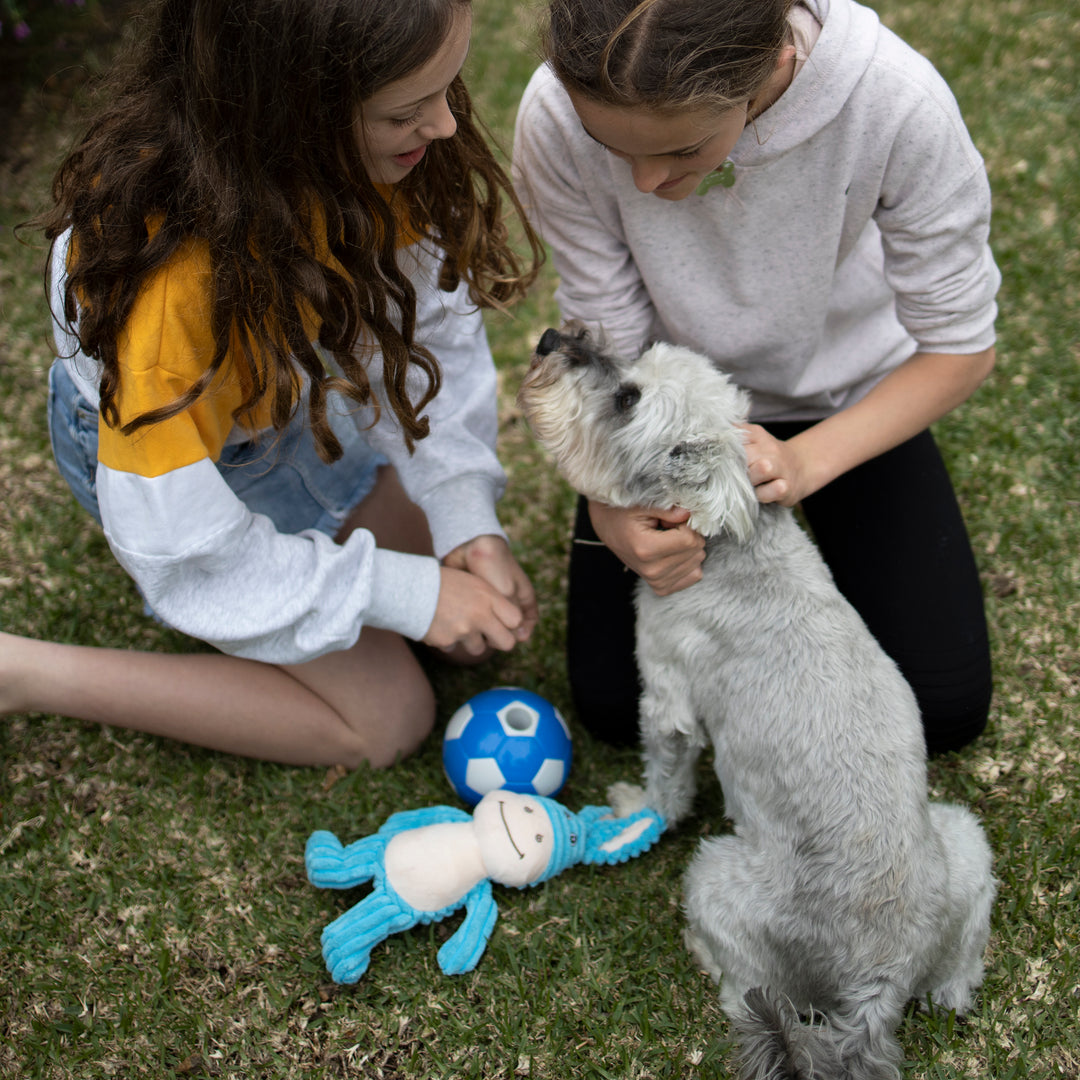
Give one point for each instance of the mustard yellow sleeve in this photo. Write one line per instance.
(165, 347)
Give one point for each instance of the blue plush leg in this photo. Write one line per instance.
(464, 948)
(331, 866)
(347, 942)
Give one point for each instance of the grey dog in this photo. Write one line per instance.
(842, 893)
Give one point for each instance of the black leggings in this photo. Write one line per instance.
(894, 539)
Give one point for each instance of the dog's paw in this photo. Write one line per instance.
(626, 799)
(701, 952)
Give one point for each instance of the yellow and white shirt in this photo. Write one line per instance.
(215, 570)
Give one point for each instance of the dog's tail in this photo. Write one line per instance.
(777, 1044)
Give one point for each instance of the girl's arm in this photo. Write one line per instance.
(668, 555)
(564, 181)
(905, 402)
(454, 475)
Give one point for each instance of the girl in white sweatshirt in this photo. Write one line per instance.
(790, 189)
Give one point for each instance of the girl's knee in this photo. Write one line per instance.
(954, 689)
(954, 732)
(951, 724)
(395, 730)
(412, 725)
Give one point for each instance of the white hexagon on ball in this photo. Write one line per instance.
(550, 776)
(458, 722)
(483, 774)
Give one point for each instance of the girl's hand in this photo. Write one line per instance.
(777, 469)
(489, 558)
(471, 616)
(657, 545)
(910, 398)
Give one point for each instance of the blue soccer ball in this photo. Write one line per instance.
(506, 738)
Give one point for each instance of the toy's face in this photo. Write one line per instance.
(516, 837)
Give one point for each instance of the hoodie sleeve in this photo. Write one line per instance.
(453, 475)
(933, 208)
(564, 181)
(212, 569)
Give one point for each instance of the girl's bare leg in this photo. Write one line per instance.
(369, 703)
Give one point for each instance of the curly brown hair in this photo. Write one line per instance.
(232, 122)
(665, 54)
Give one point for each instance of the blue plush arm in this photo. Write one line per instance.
(331, 866)
(462, 952)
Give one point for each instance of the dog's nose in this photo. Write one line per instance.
(550, 340)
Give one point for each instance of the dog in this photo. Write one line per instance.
(842, 893)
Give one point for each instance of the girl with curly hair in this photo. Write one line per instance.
(274, 390)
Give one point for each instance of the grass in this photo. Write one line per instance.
(154, 916)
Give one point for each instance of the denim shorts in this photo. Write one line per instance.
(280, 476)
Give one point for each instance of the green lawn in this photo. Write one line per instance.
(154, 915)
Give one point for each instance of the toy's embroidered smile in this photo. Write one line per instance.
(506, 826)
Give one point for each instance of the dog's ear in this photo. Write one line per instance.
(708, 477)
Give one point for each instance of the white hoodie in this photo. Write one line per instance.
(855, 232)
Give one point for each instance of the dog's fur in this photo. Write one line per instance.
(842, 893)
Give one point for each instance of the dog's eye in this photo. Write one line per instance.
(626, 397)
